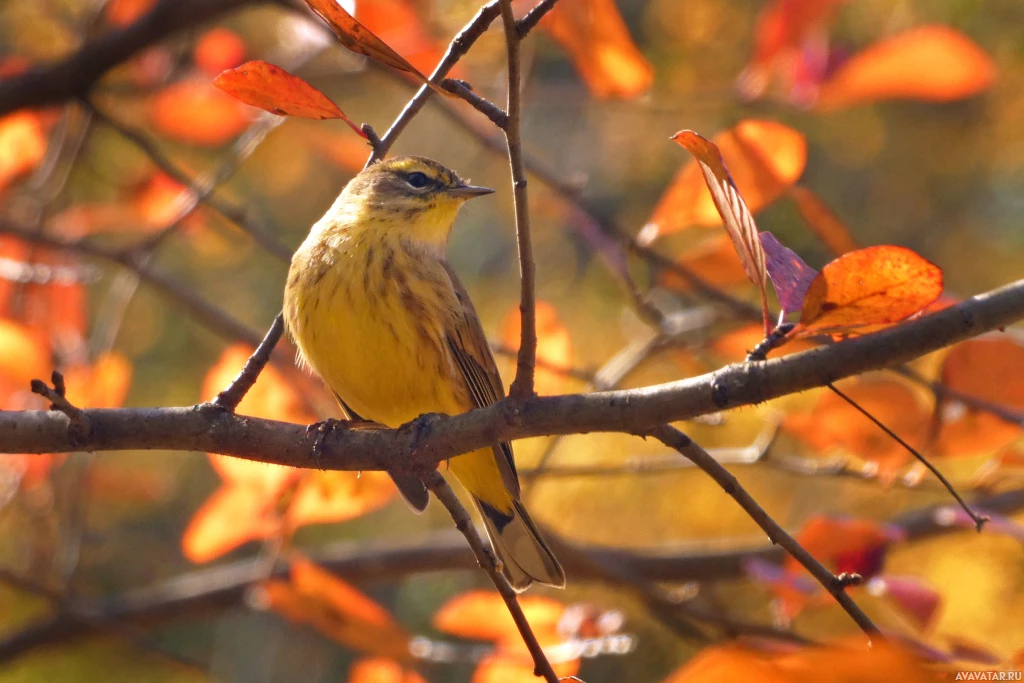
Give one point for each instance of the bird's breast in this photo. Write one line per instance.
(369, 317)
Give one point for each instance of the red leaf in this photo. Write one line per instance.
(195, 112)
(868, 288)
(739, 223)
(933, 63)
(360, 39)
(218, 49)
(271, 88)
(789, 274)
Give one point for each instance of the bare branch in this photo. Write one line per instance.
(233, 394)
(835, 585)
(522, 385)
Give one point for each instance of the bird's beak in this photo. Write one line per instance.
(469, 191)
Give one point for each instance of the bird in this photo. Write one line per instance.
(378, 313)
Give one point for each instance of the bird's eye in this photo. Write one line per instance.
(418, 180)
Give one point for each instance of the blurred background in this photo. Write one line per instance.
(145, 232)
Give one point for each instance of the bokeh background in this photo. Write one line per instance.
(941, 177)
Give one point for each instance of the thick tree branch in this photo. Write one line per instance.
(75, 75)
(632, 411)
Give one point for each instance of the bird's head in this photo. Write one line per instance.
(416, 195)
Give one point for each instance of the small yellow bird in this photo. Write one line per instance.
(378, 313)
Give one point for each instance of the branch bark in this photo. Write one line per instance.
(636, 411)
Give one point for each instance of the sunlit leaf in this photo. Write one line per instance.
(22, 145)
(989, 368)
(789, 274)
(763, 157)
(739, 223)
(398, 24)
(195, 112)
(855, 661)
(360, 39)
(715, 262)
(24, 356)
(273, 89)
(381, 670)
(554, 346)
(482, 615)
(43, 289)
(217, 50)
(934, 63)
(318, 598)
(233, 515)
(875, 286)
(599, 44)
(832, 232)
(323, 497)
(835, 424)
(102, 384)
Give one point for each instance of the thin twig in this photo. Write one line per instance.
(979, 520)
(528, 22)
(239, 387)
(492, 111)
(436, 483)
(673, 438)
(522, 385)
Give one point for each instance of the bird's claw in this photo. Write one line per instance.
(320, 430)
(421, 428)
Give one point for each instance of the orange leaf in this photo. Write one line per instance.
(381, 670)
(360, 39)
(832, 232)
(271, 397)
(988, 368)
(398, 24)
(764, 158)
(337, 496)
(24, 356)
(271, 88)
(834, 423)
(505, 668)
(195, 112)
(854, 661)
(48, 295)
(320, 599)
(739, 223)
(933, 63)
(714, 261)
(218, 49)
(104, 384)
(482, 615)
(232, 516)
(123, 12)
(597, 40)
(876, 286)
(554, 346)
(22, 145)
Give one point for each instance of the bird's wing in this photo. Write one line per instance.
(473, 357)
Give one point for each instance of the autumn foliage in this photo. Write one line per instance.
(729, 207)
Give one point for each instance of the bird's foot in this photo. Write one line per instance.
(421, 428)
(323, 428)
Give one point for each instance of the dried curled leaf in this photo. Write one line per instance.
(864, 290)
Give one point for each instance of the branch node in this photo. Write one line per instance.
(372, 138)
(78, 422)
(847, 579)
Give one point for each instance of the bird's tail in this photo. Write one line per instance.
(524, 555)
